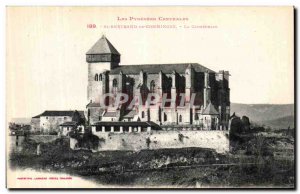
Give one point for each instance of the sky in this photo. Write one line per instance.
(46, 46)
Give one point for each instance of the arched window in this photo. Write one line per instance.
(96, 77)
(115, 86)
(196, 117)
(165, 117)
(100, 77)
(152, 86)
(143, 114)
(180, 118)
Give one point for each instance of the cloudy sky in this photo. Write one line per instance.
(46, 68)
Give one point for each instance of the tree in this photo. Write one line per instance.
(77, 118)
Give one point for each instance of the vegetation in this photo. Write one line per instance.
(259, 157)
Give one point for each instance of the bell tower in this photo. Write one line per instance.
(101, 58)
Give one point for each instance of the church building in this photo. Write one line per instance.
(208, 110)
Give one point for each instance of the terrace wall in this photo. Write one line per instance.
(218, 140)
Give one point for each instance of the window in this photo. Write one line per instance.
(100, 77)
(65, 118)
(46, 117)
(143, 114)
(165, 117)
(115, 86)
(96, 77)
(180, 118)
(115, 83)
(152, 86)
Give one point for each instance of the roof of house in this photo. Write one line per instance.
(36, 117)
(58, 113)
(156, 68)
(210, 110)
(70, 123)
(103, 46)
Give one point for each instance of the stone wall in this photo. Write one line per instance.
(35, 124)
(217, 140)
(51, 123)
(94, 89)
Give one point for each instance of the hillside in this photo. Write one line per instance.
(280, 123)
(273, 115)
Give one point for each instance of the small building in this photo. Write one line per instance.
(67, 127)
(210, 117)
(49, 121)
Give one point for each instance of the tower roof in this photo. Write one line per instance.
(210, 110)
(103, 46)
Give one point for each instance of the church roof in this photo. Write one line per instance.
(128, 123)
(210, 110)
(156, 68)
(103, 46)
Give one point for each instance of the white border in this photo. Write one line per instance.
(5, 3)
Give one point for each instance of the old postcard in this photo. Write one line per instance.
(150, 97)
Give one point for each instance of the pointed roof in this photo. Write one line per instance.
(103, 46)
(210, 110)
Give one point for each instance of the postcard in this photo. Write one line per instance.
(174, 97)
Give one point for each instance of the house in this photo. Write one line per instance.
(67, 127)
(49, 121)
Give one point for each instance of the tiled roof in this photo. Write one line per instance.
(71, 123)
(156, 68)
(58, 113)
(210, 110)
(37, 116)
(103, 46)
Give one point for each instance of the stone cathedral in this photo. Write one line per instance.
(210, 109)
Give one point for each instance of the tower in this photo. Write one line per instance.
(101, 58)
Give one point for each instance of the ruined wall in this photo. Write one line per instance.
(217, 140)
